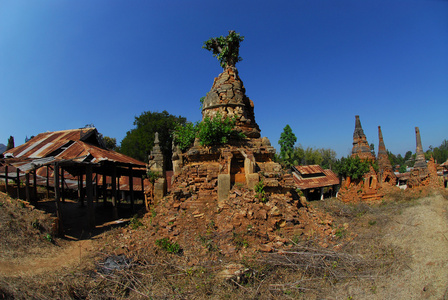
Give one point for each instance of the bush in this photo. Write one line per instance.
(211, 132)
(184, 135)
(354, 167)
(170, 247)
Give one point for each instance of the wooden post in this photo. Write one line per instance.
(27, 186)
(6, 179)
(104, 187)
(18, 184)
(48, 182)
(131, 188)
(96, 188)
(89, 192)
(118, 192)
(114, 191)
(82, 189)
(57, 198)
(35, 186)
(62, 186)
(79, 188)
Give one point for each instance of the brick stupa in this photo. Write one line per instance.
(228, 98)
(360, 145)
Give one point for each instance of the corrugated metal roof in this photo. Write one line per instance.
(327, 179)
(46, 143)
(310, 169)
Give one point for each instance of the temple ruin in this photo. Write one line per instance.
(234, 190)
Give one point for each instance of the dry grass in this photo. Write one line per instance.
(304, 271)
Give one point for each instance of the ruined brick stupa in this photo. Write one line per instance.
(360, 145)
(233, 191)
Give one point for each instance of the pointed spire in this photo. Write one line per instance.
(420, 161)
(383, 157)
(360, 145)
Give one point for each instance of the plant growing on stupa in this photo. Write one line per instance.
(225, 49)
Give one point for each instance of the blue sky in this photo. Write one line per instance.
(311, 64)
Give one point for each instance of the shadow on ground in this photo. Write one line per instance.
(75, 217)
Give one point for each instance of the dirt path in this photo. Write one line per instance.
(71, 254)
(422, 231)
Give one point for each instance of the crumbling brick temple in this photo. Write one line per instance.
(233, 194)
(373, 184)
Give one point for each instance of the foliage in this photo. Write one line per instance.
(260, 193)
(139, 141)
(402, 169)
(135, 222)
(353, 167)
(10, 144)
(110, 143)
(152, 176)
(168, 246)
(217, 131)
(225, 49)
(440, 153)
(202, 102)
(211, 132)
(287, 140)
(184, 135)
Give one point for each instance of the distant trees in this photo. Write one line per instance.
(10, 144)
(440, 153)
(110, 143)
(139, 141)
(293, 156)
(353, 167)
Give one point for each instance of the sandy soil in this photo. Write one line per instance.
(70, 254)
(422, 231)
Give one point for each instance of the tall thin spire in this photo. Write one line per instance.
(420, 161)
(383, 157)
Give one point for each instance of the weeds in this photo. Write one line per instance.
(135, 222)
(168, 246)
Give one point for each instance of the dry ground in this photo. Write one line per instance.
(397, 249)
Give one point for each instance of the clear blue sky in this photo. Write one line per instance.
(311, 64)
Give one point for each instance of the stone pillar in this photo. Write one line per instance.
(223, 189)
(361, 147)
(156, 164)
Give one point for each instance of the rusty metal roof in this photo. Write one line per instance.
(66, 145)
(310, 169)
(323, 177)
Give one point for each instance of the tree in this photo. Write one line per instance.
(372, 149)
(10, 144)
(353, 167)
(139, 141)
(286, 142)
(328, 158)
(111, 143)
(225, 49)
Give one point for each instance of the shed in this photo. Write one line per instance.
(315, 182)
(72, 159)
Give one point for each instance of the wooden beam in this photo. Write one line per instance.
(131, 188)
(35, 186)
(6, 179)
(104, 187)
(27, 187)
(89, 192)
(114, 191)
(18, 183)
(58, 199)
(48, 182)
(62, 185)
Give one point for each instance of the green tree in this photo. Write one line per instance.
(139, 141)
(10, 144)
(110, 143)
(312, 157)
(225, 49)
(352, 167)
(286, 142)
(328, 158)
(441, 153)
